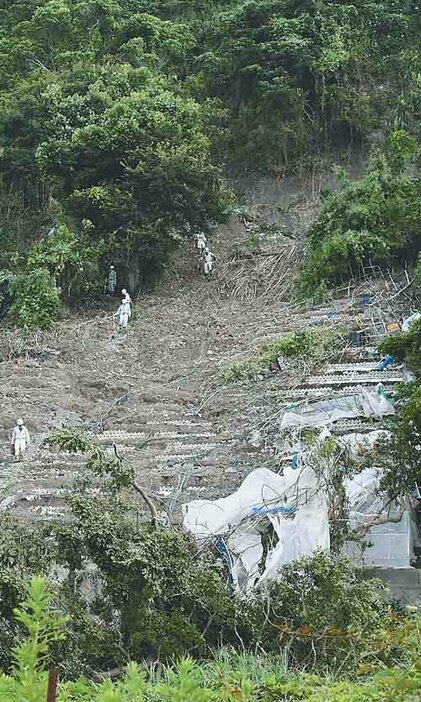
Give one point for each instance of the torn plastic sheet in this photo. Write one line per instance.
(247, 549)
(260, 488)
(299, 537)
(360, 443)
(409, 321)
(290, 502)
(362, 403)
(391, 543)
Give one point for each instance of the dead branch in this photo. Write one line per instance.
(38, 63)
(139, 489)
(120, 399)
(381, 518)
(148, 501)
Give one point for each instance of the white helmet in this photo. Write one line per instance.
(20, 421)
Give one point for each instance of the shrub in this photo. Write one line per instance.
(36, 299)
(372, 218)
(308, 346)
(232, 678)
(324, 610)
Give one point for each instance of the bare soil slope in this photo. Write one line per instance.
(160, 380)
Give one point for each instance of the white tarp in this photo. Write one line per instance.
(360, 443)
(362, 403)
(362, 491)
(247, 546)
(390, 544)
(261, 488)
(409, 321)
(308, 531)
(292, 503)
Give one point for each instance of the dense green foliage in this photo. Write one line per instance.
(158, 596)
(303, 77)
(404, 451)
(229, 678)
(97, 139)
(117, 115)
(370, 219)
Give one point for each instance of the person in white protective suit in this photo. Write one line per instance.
(112, 281)
(201, 242)
(20, 440)
(123, 314)
(126, 296)
(128, 299)
(208, 259)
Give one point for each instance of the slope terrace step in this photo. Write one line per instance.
(31, 496)
(351, 373)
(44, 481)
(178, 462)
(38, 464)
(358, 379)
(181, 426)
(146, 408)
(358, 367)
(133, 438)
(359, 426)
(177, 449)
(245, 462)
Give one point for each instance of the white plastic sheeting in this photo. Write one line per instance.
(300, 537)
(362, 492)
(261, 488)
(292, 503)
(246, 548)
(362, 403)
(409, 321)
(360, 443)
(391, 543)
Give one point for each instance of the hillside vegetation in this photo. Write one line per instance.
(124, 126)
(119, 119)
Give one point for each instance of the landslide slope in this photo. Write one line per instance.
(160, 383)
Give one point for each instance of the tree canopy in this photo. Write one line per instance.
(118, 120)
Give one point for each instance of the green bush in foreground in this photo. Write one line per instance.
(232, 678)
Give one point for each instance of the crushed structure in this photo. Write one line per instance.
(276, 516)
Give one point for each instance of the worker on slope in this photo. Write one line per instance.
(208, 259)
(20, 440)
(123, 313)
(112, 281)
(201, 242)
(126, 296)
(128, 299)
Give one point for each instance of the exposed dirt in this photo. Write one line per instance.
(160, 380)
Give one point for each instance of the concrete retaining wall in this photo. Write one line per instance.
(404, 583)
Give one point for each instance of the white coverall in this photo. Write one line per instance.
(201, 242)
(124, 314)
(208, 259)
(127, 299)
(20, 439)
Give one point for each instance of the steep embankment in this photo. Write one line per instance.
(160, 383)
